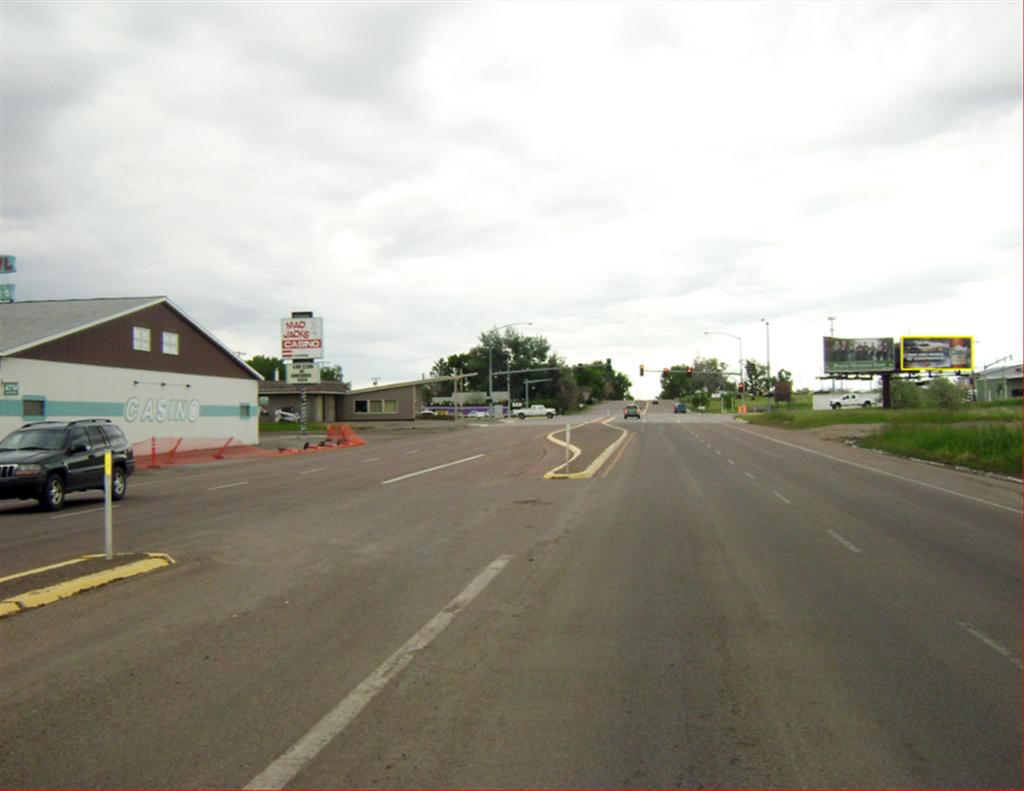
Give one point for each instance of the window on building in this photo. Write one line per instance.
(141, 339)
(243, 410)
(170, 342)
(377, 407)
(33, 407)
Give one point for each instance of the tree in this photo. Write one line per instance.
(703, 375)
(330, 373)
(267, 365)
(784, 385)
(757, 378)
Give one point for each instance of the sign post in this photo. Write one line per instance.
(107, 506)
(302, 342)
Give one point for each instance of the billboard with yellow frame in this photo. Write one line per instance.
(936, 353)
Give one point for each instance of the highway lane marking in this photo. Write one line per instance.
(228, 486)
(431, 469)
(844, 542)
(974, 631)
(284, 769)
(884, 472)
(750, 476)
(69, 514)
(787, 502)
(731, 462)
(315, 469)
(410, 452)
(367, 461)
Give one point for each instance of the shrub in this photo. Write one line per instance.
(905, 395)
(943, 394)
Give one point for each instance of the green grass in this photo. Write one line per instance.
(291, 428)
(979, 413)
(980, 436)
(993, 447)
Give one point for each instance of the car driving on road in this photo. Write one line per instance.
(47, 459)
(631, 410)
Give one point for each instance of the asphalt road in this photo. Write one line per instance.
(719, 606)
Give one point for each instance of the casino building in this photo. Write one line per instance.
(140, 361)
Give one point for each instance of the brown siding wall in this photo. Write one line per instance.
(110, 345)
(407, 397)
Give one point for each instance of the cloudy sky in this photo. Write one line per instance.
(625, 176)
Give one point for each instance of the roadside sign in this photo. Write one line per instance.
(10, 388)
(302, 373)
(302, 338)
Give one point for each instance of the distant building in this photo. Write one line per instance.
(996, 384)
(139, 361)
(330, 402)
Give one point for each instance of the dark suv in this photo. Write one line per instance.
(45, 460)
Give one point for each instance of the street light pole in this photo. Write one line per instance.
(768, 350)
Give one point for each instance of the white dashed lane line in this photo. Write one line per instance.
(228, 486)
(787, 502)
(844, 542)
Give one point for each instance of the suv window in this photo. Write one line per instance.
(41, 438)
(96, 438)
(78, 437)
(114, 436)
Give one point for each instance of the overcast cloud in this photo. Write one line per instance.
(625, 176)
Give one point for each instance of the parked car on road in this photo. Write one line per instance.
(285, 414)
(680, 408)
(45, 460)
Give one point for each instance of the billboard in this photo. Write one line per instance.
(302, 339)
(859, 355)
(936, 353)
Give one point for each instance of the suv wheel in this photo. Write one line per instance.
(118, 484)
(53, 494)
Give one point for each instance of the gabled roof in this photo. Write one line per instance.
(24, 325)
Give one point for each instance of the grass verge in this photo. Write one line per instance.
(983, 437)
(992, 447)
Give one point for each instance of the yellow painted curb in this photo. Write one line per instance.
(596, 464)
(54, 593)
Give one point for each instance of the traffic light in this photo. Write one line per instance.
(742, 387)
(664, 371)
(689, 370)
(641, 369)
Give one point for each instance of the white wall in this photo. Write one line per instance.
(204, 410)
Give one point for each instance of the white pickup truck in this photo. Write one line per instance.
(537, 410)
(854, 399)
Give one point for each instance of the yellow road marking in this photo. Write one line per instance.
(618, 456)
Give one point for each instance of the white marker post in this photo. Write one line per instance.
(568, 434)
(107, 508)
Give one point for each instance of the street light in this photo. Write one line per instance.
(490, 367)
(738, 338)
(768, 350)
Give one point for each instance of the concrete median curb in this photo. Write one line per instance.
(63, 590)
